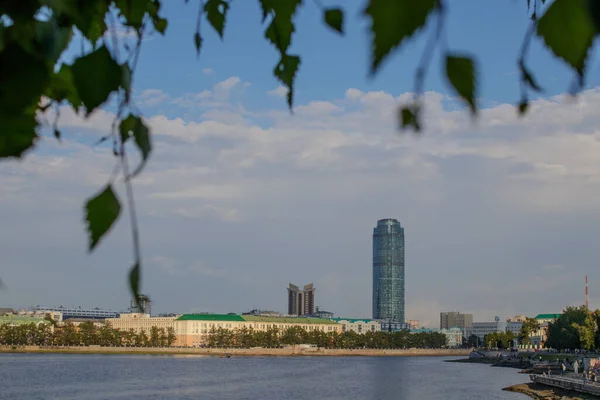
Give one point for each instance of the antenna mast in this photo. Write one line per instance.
(587, 303)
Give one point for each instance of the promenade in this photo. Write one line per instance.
(259, 351)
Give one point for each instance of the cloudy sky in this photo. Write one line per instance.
(240, 197)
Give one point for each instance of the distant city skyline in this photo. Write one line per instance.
(388, 270)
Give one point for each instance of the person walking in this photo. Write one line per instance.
(564, 368)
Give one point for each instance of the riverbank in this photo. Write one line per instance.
(253, 352)
(538, 391)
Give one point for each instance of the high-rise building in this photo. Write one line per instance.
(145, 305)
(454, 319)
(309, 299)
(388, 270)
(301, 301)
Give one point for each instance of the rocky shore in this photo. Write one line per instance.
(538, 391)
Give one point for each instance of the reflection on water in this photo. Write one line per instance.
(64, 377)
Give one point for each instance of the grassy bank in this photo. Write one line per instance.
(287, 351)
(538, 391)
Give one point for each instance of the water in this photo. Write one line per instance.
(51, 376)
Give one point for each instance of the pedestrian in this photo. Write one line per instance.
(564, 368)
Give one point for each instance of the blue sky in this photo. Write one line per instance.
(493, 31)
(240, 197)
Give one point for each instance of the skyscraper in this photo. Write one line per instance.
(388, 270)
(301, 301)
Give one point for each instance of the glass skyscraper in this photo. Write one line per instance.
(388, 270)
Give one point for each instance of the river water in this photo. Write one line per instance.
(52, 376)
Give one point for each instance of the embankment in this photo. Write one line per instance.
(286, 351)
(542, 392)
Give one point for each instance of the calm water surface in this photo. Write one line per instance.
(45, 376)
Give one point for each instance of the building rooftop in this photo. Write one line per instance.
(210, 317)
(288, 320)
(253, 318)
(20, 319)
(547, 316)
(353, 320)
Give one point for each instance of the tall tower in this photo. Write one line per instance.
(587, 302)
(388, 270)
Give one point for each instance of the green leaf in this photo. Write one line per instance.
(101, 212)
(23, 79)
(593, 7)
(528, 77)
(198, 42)
(134, 126)
(62, 88)
(52, 38)
(216, 13)
(160, 24)
(409, 117)
(88, 16)
(134, 284)
(568, 31)
(462, 76)
(96, 76)
(392, 22)
(286, 71)
(334, 18)
(18, 134)
(280, 30)
(133, 11)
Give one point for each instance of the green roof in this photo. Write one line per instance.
(210, 317)
(288, 320)
(253, 318)
(20, 320)
(547, 316)
(353, 320)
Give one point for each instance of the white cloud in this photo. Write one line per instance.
(208, 71)
(279, 91)
(491, 210)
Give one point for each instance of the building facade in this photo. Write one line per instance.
(388, 270)
(194, 329)
(454, 319)
(78, 312)
(301, 301)
(480, 329)
(454, 336)
(140, 322)
(358, 325)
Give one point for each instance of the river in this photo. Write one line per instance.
(53, 376)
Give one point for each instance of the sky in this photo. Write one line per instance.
(240, 197)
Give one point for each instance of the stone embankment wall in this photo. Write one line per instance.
(567, 383)
(287, 351)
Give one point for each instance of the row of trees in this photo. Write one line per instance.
(86, 334)
(274, 337)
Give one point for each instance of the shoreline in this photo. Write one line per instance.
(539, 391)
(295, 351)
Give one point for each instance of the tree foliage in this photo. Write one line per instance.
(35, 82)
(500, 340)
(576, 328)
(86, 334)
(274, 337)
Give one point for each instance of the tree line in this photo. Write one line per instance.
(274, 337)
(86, 334)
